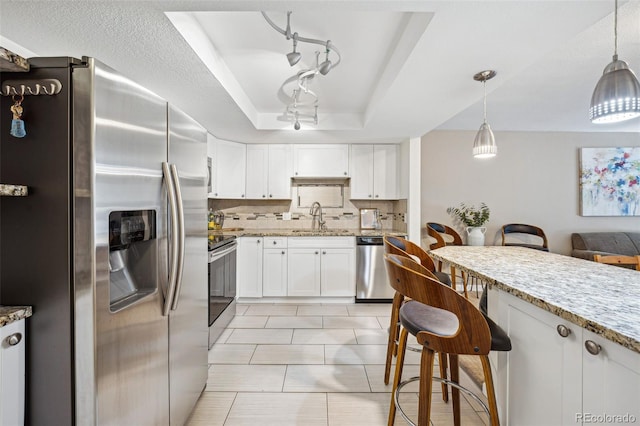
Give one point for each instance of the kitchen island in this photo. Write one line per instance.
(575, 330)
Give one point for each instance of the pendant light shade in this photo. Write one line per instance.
(484, 146)
(617, 95)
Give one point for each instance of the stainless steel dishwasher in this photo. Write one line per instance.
(371, 275)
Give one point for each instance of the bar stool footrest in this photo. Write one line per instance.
(396, 395)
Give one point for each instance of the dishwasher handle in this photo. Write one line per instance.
(369, 241)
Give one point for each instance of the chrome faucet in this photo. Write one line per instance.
(316, 217)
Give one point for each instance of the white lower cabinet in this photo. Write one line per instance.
(549, 377)
(12, 373)
(249, 267)
(274, 267)
(322, 266)
(296, 266)
(304, 272)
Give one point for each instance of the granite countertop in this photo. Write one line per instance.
(287, 232)
(600, 298)
(13, 190)
(9, 314)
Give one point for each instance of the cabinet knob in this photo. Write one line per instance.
(274, 243)
(282, 251)
(377, 196)
(270, 195)
(257, 241)
(592, 347)
(296, 173)
(316, 252)
(370, 195)
(324, 252)
(13, 339)
(264, 196)
(241, 195)
(563, 330)
(216, 194)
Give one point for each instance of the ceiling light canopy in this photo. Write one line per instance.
(617, 95)
(484, 146)
(308, 108)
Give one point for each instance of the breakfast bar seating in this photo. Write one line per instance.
(403, 247)
(575, 328)
(443, 321)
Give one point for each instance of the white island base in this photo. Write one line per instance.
(548, 379)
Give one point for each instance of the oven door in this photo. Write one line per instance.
(222, 279)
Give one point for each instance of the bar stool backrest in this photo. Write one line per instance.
(473, 337)
(436, 231)
(403, 247)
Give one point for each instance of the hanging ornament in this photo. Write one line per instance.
(17, 125)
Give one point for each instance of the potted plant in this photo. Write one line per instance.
(474, 219)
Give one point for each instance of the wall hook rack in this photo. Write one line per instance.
(48, 86)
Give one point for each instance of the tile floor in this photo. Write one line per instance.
(280, 364)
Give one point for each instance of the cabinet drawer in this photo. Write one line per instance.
(275, 242)
(321, 242)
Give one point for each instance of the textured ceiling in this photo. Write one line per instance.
(407, 66)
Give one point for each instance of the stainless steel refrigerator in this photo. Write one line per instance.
(109, 247)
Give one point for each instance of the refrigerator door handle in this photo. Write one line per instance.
(174, 246)
(181, 235)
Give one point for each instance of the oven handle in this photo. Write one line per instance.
(173, 241)
(227, 249)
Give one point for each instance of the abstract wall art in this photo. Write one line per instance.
(610, 181)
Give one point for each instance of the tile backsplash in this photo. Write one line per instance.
(267, 214)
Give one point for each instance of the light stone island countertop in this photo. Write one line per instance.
(285, 232)
(601, 298)
(9, 314)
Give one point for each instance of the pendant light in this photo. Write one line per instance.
(484, 145)
(617, 95)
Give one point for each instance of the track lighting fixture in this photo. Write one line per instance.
(327, 65)
(617, 95)
(304, 102)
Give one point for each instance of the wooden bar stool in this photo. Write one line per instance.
(437, 232)
(443, 321)
(403, 247)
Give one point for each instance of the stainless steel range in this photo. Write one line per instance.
(222, 284)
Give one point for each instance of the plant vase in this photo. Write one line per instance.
(475, 235)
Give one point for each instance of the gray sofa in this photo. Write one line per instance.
(586, 244)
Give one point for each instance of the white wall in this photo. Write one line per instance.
(533, 179)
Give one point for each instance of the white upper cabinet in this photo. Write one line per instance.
(322, 161)
(374, 172)
(229, 168)
(269, 172)
(257, 171)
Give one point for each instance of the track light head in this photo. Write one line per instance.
(294, 57)
(325, 67)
